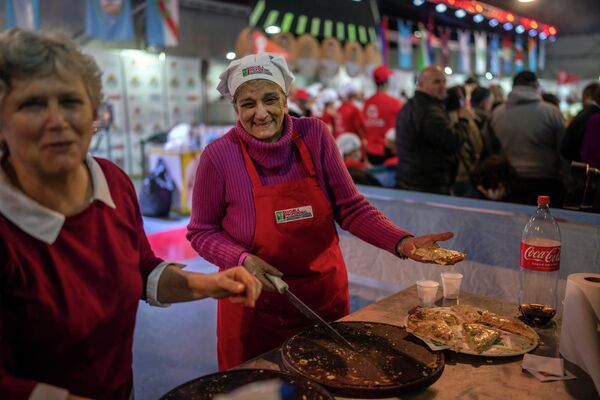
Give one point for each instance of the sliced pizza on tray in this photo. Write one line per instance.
(509, 325)
(436, 331)
(435, 314)
(470, 329)
(467, 313)
(479, 337)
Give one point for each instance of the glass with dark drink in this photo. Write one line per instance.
(537, 314)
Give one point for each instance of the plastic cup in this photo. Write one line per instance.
(427, 291)
(451, 284)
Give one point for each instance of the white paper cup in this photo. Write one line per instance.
(427, 290)
(451, 284)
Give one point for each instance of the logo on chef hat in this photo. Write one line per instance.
(257, 69)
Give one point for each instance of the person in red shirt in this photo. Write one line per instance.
(327, 103)
(300, 103)
(74, 259)
(350, 148)
(349, 116)
(380, 116)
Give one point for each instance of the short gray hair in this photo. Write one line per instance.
(26, 54)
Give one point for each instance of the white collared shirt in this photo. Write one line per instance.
(45, 225)
(41, 222)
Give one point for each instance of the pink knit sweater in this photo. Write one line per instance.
(223, 216)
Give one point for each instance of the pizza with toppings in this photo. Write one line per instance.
(439, 255)
(467, 312)
(479, 337)
(509, 325)
(436, 313)
(437, 331)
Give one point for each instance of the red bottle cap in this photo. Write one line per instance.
(544, 200)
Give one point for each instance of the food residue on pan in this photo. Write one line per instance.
(378, 360)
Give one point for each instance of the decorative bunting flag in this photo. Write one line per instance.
(563, 77)
(162, 22)
(430, 37)
(532, 53)
(495, 55)
(506, 55)
(109, 20)
(383, 40)
(464, 59)
(24, 14)
(501, 52)
(423, 59)
(405, 51)
(444, 36)
(542, 56)
(519, 56)
(480, 50)
(262, 44)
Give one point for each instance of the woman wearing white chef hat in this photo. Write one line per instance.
(349, 145)
(267, 196)
(326, 108)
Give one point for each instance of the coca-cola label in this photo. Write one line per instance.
(540, 258)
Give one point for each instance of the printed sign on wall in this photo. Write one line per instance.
(147, 95)
(145, 100)
(110, 140)
(183, 90)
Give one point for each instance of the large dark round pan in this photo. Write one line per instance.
(205, 387)
(386, 360)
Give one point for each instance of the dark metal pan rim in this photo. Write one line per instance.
(318, 388)
(368, 391)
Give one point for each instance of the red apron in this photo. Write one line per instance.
(295, 232)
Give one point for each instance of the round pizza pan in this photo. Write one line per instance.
(206, 387)
(385, 361)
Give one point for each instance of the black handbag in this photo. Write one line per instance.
(157, 192)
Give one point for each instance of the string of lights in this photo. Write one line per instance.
(482, 12)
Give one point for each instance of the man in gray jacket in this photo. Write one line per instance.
(530, 132)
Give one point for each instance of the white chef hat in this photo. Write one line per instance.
(327, 96)
(390, 134)
(347, 142)
(269, 66)
(314, 89)
(349, 88)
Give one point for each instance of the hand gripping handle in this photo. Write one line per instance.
(279, 284)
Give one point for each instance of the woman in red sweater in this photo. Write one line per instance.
(74, 259)
(267, 196)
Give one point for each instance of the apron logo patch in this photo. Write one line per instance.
(293, 214)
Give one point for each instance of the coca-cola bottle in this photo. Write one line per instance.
(540, 261)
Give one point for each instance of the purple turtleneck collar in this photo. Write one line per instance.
(268, 155)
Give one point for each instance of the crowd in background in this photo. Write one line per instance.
(466, 140)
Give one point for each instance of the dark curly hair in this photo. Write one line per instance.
(493, 171)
